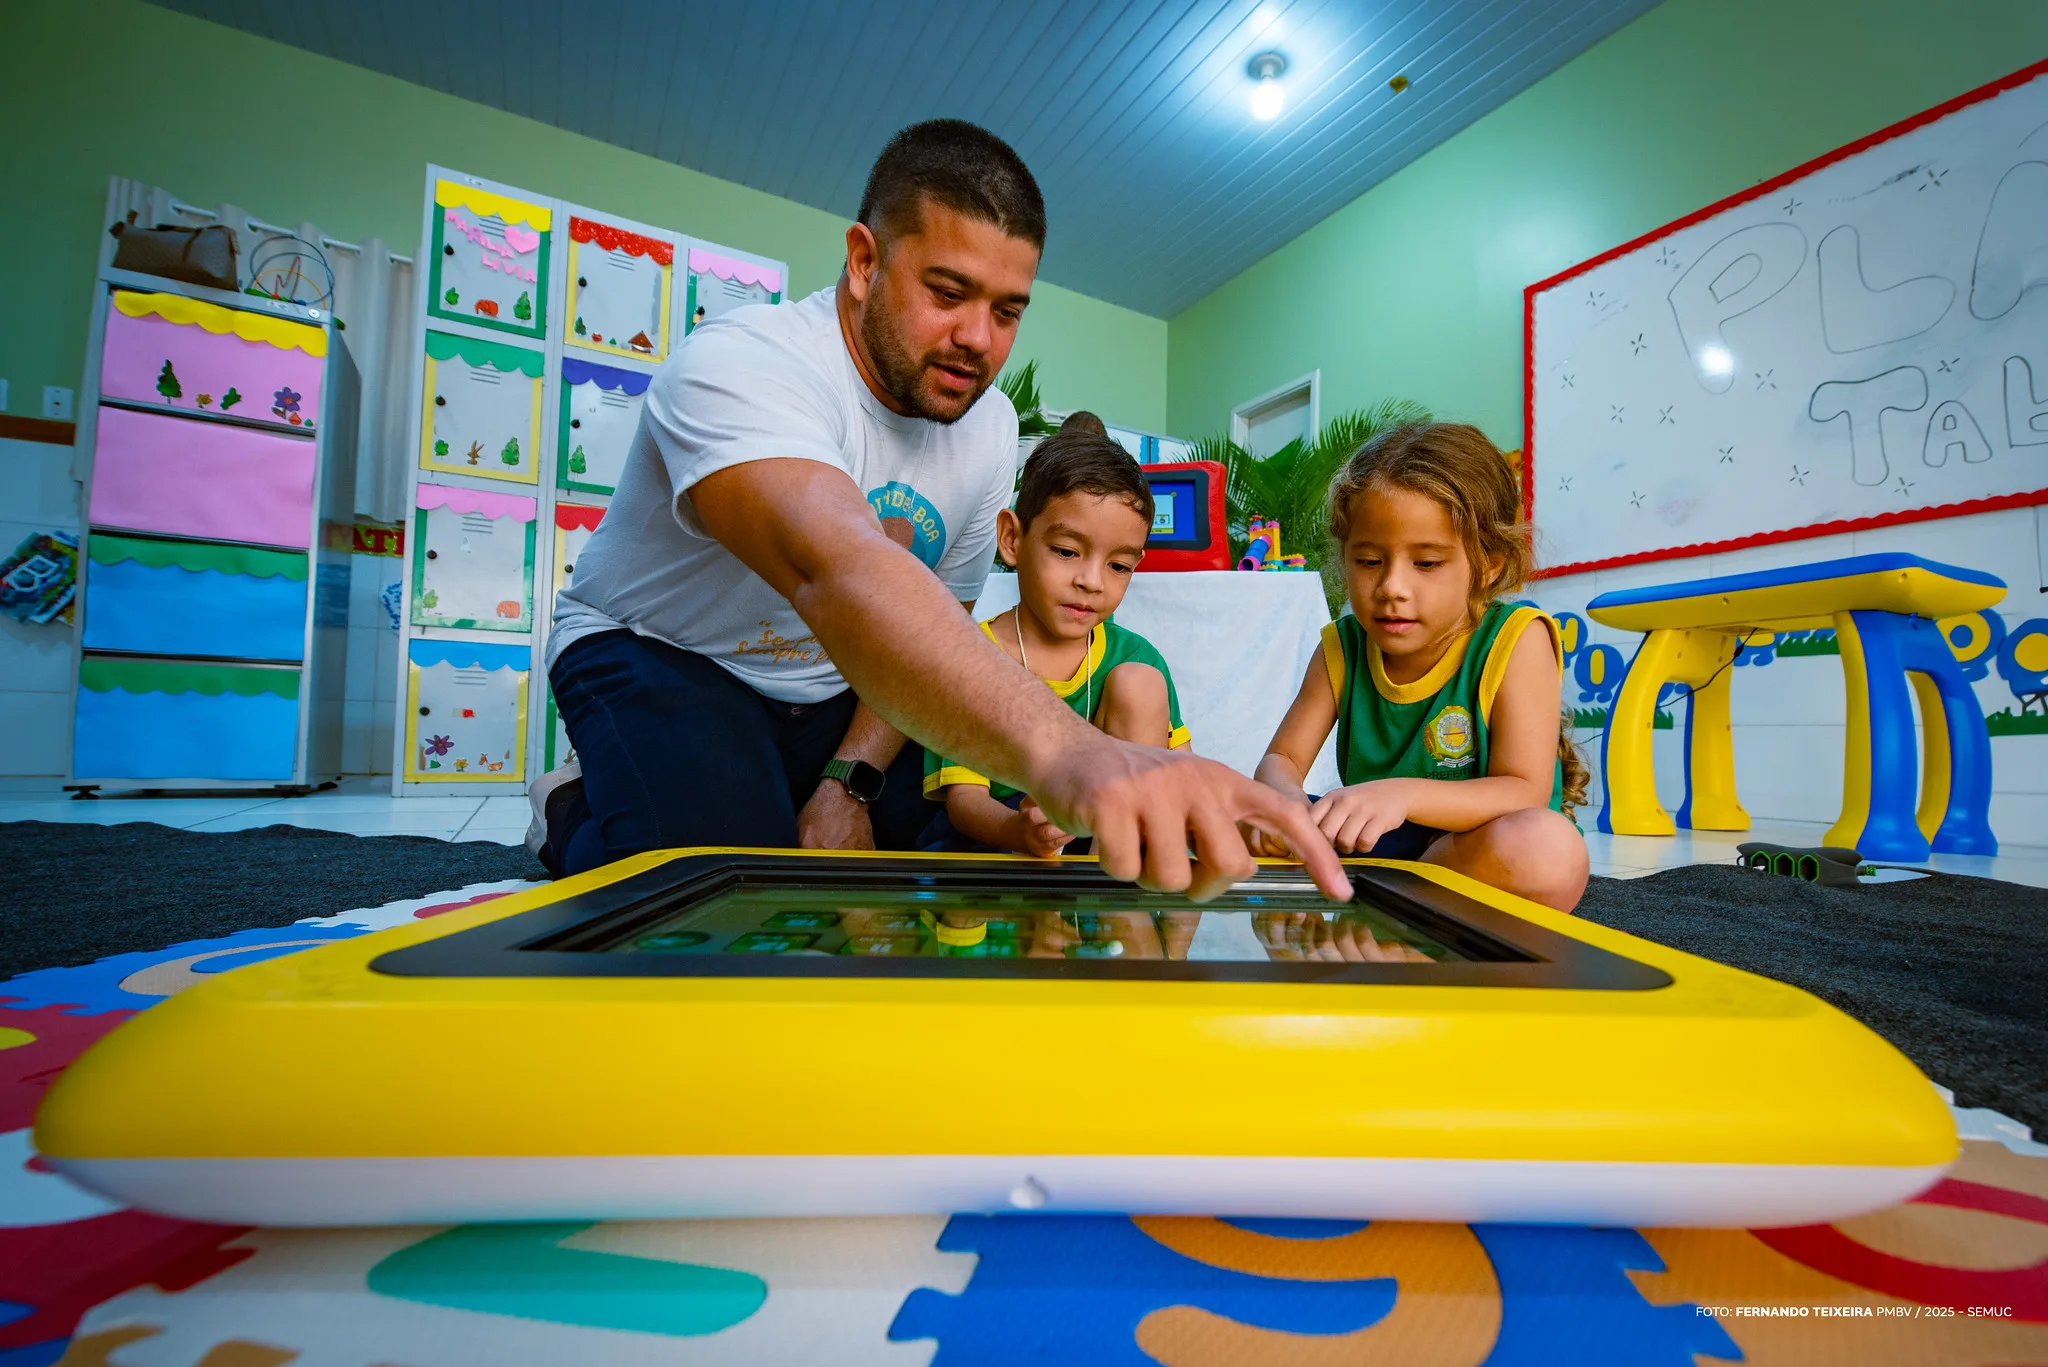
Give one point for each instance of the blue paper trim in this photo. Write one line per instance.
(469, 655)
(1793, 574)
(607, 377)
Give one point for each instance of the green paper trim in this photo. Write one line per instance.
(443, 346)
(422, 617)
(565, 478)
(252, 561)
(101, 674)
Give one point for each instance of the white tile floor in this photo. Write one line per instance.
(364, 806)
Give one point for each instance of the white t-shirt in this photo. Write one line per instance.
(757, 384)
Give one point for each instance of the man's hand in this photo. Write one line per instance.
(1147, 809)
(834, 820)
(1037, 834)
(1353, 819)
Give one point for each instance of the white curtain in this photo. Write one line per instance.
(372, 299)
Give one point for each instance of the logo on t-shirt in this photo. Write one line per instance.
(910, 520)
(1449, 737)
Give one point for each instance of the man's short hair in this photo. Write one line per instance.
(1081, 458)
(968, 169)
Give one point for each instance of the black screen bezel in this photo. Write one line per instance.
(539, 943)
(1198, 539)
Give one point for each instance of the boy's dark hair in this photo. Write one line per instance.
(1081, 458)
(968, 169)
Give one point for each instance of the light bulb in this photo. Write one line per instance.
(1268, 100)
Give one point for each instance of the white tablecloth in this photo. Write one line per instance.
(1237, 644)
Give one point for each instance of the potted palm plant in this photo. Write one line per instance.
(1290, 484)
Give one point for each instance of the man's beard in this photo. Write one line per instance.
(903, 375)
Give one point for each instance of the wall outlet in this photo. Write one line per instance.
(57, 403)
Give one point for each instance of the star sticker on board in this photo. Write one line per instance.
(1727, 455)
(1792, 206)
(1614, 412)
(1638, 344)
(1635, 499)
(1799, 476)
(1764, 380)
(1564, 484)
(1905, 485)
(1664, 416)
(1567, 381)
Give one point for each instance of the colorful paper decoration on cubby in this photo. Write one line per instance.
(154, 597)
(574, 522)
(167, 350)
(618, 290)
(159, 472)
(720, 283)
(176, 718)
(482, 412)
(490, 260)
(472, 559)
(600, 413)
(465, 715)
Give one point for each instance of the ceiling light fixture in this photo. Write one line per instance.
(1268, 99)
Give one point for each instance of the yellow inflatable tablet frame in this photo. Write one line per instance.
(312, 1089)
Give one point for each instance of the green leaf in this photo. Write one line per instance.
(1022, 388)
(1293, 483)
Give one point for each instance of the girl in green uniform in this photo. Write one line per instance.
(1451, 736)
(1075, 537)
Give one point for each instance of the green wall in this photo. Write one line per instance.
(1415, 288)
(93, 88)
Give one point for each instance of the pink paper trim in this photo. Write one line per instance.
(727, 268)
(477, 501)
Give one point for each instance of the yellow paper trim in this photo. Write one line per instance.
(1504, 645)
(281, 333)
(450, 195)
(516, 773)
(429, 461)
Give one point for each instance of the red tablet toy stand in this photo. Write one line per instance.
(1187, 517)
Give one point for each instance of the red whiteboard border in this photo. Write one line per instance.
(1863, 144)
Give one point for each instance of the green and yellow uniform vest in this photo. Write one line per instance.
(1110, 646)
(1435, 727)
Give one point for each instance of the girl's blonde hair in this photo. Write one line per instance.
(1456, 467)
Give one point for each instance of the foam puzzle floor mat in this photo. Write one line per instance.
(1956, 1278)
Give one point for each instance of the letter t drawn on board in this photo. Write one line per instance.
(1863, 402)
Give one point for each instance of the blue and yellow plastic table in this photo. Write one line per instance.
(1884, 610)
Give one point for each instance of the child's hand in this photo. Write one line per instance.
(1038, 836)
(1355, 818)
(1264, 846)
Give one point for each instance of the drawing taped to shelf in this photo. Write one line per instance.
(489, 259)
(473, 559)
(481, 397)
(619, 289)
(1862, 341)
(600, 413)
(721, 280)
(465, 712)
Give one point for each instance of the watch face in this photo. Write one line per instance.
(865, 781)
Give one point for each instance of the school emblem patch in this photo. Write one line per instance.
(1449, 737)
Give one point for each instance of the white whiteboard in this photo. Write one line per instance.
(1860, 342)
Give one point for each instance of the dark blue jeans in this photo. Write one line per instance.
(676, 751)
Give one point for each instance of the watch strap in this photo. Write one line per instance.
(862, 781)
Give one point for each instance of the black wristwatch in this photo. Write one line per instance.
(863, 780)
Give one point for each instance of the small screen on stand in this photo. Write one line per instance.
(1176, 521)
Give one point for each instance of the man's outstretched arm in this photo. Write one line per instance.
(901, 641)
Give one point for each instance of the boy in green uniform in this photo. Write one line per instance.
(1077, 534)
(1451, 738)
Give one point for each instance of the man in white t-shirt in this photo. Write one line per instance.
(775, 596)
